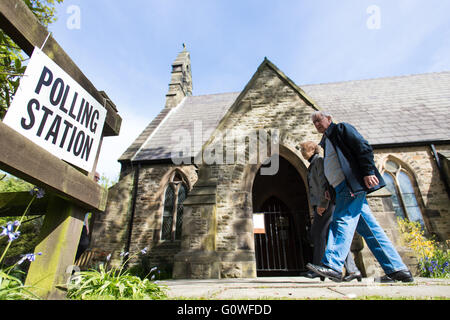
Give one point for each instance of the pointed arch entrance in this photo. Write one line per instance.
(283, 247)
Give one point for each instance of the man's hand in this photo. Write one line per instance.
(371, 181)
(320, 210)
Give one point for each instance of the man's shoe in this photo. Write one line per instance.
(402, 275)
(351, 276)
(325, 272)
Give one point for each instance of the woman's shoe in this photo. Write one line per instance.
(354, 275)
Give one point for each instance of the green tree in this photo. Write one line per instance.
(12, 58)
(12, 66)
(9, 183)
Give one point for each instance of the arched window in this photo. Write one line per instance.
(400, 183)
(172, 219)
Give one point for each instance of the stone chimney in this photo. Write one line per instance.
(180, 84)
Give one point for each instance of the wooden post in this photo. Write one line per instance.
(58, 243)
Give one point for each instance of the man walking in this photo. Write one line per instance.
(350, 168)
(323, 210)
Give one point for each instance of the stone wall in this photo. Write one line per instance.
(111, 229)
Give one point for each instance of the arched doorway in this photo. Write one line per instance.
(283, 247)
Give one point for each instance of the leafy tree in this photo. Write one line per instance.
(9, 183)
(12, 58)
(12, 66)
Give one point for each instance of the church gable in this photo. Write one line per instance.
(269, 88)
(269, 101)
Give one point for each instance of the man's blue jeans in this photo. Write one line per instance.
(350, 214)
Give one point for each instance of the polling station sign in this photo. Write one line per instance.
(55, 112)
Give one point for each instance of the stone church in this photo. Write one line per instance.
(225, 217)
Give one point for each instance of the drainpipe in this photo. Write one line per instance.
(441, 170)
(133, 207)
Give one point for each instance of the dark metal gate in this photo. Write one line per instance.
(279, 250)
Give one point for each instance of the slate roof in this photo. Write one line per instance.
(193, 115)
(401, 109)
(404, 109)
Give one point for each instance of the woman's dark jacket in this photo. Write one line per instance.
(317, 182)
(355, 156)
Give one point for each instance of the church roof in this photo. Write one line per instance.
(403, 109)
(394, 110)
(193, 119)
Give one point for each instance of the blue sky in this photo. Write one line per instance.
(126, 47)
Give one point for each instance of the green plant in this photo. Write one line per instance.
(9, 183)
(11, 286)
(434, 258)
(29, 229)
(113, 284)
(438, 266)
(9, 230)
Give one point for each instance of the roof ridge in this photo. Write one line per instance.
(336, 82)
(214, 94)
(378, 78)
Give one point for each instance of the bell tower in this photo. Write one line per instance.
(180, 84)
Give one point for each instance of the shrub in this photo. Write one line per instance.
(434, 258)
(113, 284)
(12, 288)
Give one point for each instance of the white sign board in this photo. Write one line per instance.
(258, 223)
(55, 112)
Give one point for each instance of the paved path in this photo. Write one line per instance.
(303, 288)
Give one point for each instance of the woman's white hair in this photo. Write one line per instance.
(321, 113)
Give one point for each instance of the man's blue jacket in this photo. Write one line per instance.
(355, 156)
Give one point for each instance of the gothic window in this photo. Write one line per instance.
(172, 220)
(401, 185)
(166, 230)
